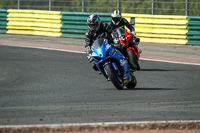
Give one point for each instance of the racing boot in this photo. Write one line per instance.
(95, 67)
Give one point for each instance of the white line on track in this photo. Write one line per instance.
(63, 50)
(98, 123)
(72, 51)
(167, 61)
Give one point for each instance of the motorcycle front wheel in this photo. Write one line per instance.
(133, 59)
(132, 83)
(114, 78)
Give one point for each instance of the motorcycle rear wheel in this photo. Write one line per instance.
(112, 75)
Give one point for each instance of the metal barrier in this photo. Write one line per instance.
(149, 28)
(49, 23)
(193, 34)
(3, 20)
(34, 22)
(159, 29)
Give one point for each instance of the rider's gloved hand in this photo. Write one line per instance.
(88, 50)
(116, 41)
(133, 32)
(90, 59)
(117, 45)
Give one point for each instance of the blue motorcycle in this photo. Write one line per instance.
(112, 64)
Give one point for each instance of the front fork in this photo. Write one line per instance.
(125, 70)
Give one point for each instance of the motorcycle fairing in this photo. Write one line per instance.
(104, 53)
(129, 37)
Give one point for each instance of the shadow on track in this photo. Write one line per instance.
(148, 89)
(151, 70)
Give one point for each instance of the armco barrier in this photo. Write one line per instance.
(193, 34)
(3, 20)
(34, 22)
(49, 23)
(149, 28)
(159, 28)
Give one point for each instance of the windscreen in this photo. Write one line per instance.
(98, 43)
(121, 32)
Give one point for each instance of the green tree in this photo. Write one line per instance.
(140, 7)
(8, 4)
(194, 8)
(103, 6)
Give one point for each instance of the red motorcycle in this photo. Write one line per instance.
(130, 48)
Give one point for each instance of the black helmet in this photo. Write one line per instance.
(116, 16)
(93, 22)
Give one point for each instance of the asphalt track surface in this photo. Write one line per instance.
(49, 87)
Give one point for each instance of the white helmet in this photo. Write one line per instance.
(116, 17)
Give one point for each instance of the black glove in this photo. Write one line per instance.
(116, 41)
(88, 52)
(117, 45)
(133, 32)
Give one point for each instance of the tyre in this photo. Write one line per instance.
(114, 78)
(132, 83)
(132, 58)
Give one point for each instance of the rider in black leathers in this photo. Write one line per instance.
(119, 22)
(96, 29)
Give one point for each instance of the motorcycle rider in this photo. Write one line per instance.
(96, 29)
(117, 22)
